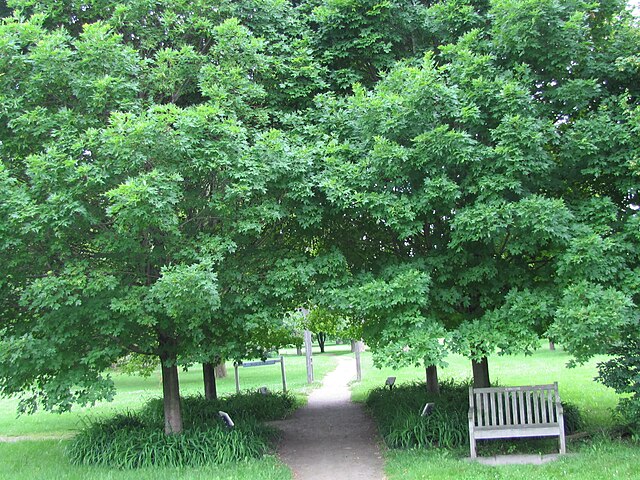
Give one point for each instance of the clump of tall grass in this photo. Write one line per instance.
(134, 440)
(126, 441)
(196, 410)
(398, 415)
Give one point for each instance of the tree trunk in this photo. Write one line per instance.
(552, 345)
(298, 350)
(221, 369)
(353, 346)
(171, 397)
(321, 339)
(432, 379)
(210, 390)
(481, 373)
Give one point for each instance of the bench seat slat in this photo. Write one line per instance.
(492, 405)
(516, 432)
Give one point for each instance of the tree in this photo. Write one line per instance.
(468, 163)
(141, 204)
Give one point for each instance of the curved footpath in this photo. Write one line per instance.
(331, 437)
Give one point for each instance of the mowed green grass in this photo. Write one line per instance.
(597, 458)
(45, 460)
(36, 459)
(134, 391)
(576, 385)
(594, 460)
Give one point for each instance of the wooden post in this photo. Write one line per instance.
(307, 348)
(358, 349)
(235, 366)
(284, 375)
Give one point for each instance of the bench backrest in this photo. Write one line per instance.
(514, 406)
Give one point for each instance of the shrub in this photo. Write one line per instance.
(572, 418)
(125, 441)
(196, 410)
(622, 373)
(133, 440)
(397, 413)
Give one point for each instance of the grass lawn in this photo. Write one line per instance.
(133, 391)
(576, 385)
(44, 459)
(596, 458)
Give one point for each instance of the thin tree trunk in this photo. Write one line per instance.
(481, 373)
(321, 339)
(432, 379)
(552, 345)
(171, 396)
(221, 369)
(208, 374)
(353, 346)
(298, 350)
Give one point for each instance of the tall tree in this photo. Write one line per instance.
(139, 195)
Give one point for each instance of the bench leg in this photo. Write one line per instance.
(563, 444)
(472, 445)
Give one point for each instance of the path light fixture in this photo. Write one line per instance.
(226, 419)
(427, 409)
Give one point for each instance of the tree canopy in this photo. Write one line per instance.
(453, 175)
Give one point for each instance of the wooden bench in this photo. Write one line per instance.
(515, 412)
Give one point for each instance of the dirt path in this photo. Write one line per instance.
(331, 438)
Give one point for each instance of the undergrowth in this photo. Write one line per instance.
(196, 410)
(398, 415)
(135, 440)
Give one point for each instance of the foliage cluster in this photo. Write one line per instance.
(126, 441)
(135, 440)
(175, 176)
(198, 410)
(397, 413)
(622, 373)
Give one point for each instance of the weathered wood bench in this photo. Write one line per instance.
(515, 412)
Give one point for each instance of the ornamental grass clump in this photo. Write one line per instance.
(197, 410)
(132, 444)
(135, 440)
(398, 415)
